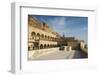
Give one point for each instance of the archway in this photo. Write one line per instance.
(41, 46)
(33, 34)
(48, 46)
(29, 48)
(45, 37)
(38, 36)
(45, 46)
(42, 36)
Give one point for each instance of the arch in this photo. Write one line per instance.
(41, 46)
(29, 48)
(45, 46)
(48, 46)
(33, 34)
(38, 35)
(45, 37)
(42, 36)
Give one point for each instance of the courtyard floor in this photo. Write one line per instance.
(54, 53)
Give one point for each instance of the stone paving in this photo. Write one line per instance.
(54, 53)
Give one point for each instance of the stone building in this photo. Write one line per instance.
(69, 41)
(40, 35)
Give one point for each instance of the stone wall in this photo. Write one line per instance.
(73, 44)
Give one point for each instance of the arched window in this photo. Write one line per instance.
(28, 48)
(45, 37)
(42, 36)
(45, 46)
(41, 46)
(38, 36)
(33, 34)
(48, 46)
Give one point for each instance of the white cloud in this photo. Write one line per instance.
(58, 24)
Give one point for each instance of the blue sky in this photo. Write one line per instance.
(70, 26)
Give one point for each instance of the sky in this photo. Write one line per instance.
(70, 26)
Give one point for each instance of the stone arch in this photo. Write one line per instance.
(48, 46)
(33, 34)
(29, 48)
(44, 45)
(42, 36)
(41, 46)
(45, 36)
(38, 35)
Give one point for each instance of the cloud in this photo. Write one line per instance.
(70, 26)
(58, 24)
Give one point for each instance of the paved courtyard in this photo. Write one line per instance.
(53, 54)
